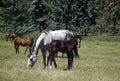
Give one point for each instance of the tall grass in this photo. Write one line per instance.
(99, 61)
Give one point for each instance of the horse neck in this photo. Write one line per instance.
(37, 44)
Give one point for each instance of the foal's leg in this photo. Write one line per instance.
(53, 59)
(54, 62)
(70, 59)
(50, 58)
(68, 55)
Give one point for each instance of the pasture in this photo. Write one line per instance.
(99, 61)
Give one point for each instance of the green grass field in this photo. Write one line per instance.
(99, 61)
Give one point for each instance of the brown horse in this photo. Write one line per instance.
(10, 36)
(78, 42)
(26, 42)
(64, 47)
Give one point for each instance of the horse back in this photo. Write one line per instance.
(23, 41)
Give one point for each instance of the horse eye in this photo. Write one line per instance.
(31, 59)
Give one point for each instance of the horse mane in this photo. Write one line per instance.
(46, 31)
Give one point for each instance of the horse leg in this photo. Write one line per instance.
(48, 58)
(54, 62)
(70, 59)
(15, 47)
(53, 59)
(26, 50)
(44, 58)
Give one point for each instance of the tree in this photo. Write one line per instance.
(6, 3)
(38, 12)
(14, 18)
(108, 15)
(73, 13)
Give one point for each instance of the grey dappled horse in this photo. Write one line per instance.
(43, 41)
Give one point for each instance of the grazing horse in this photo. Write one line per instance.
(26, 42)
(10, 36)
(43, 41)
(64, 47)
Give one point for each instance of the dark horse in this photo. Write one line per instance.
(65, 47)
(78, 42)
(10, 36)
(26, 42)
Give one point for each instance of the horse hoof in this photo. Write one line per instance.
(45, 67)
(50, 67)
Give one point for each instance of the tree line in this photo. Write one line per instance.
(81, 16)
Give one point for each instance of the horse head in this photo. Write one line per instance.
(10, 36)
(31, 57)
(31, 61)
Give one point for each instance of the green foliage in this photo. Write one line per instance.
(81, 16)
(109, 16)
(99, 61)
(6, 3)
(38, 12)
(14, 18)
(72, 13)
(103, 38)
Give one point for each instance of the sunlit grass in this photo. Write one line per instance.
(99, 61)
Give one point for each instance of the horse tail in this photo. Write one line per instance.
(15, 47)
(76, 51)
